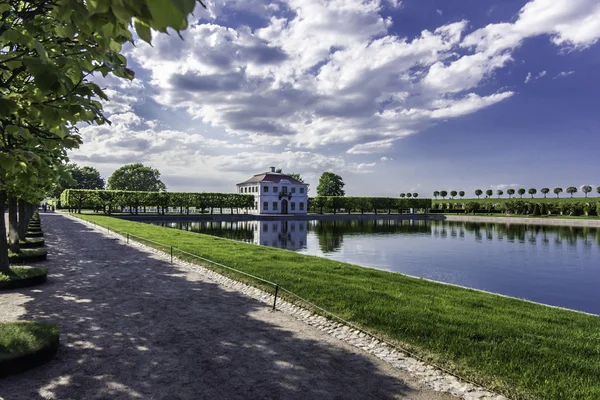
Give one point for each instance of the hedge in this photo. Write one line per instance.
(519, 206)
(108, 200)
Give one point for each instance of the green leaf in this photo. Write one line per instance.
(5, 7)
(165, 14)
(7, 107)
(41, 51)
(7, 162)
(17, 38)
(143, 31)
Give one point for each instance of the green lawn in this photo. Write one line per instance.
(520, 349)
(18, 338)
(17, 273)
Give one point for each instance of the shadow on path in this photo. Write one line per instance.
(134, 326)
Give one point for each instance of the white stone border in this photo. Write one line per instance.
(428, 375)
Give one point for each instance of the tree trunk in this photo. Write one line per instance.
(23, 219)
(4, 266)
(13, 225)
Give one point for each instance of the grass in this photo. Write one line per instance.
(17, 338)
(520, 349)
(17, 273)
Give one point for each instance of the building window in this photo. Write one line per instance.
(266, 206)
(293, 206)
(301, 190)
(293, 190)
(284, 189)
(265, 227)
(301, 206)
(274, 206)
(265, 189)
(274, 189)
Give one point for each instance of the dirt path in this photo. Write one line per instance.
(133, 326)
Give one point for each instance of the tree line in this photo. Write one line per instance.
(522, 207)
(109, 201)
(368, 204)
(511, 192)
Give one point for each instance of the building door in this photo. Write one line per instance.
(284, 206)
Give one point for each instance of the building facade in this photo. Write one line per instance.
(276, 193)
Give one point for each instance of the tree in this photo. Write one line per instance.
(453, 194)
(521, 192)
(409, 195)
(415, 195)
(557, 191)
(297, 177)
(78, 178)
(571, 190)
(461, 194)
(489, 193)
(545, 191)
(437, 193)
(402, 195)
(586, 189)
(499, 193)
(510, 192)
(48, 49)
(532, 191)
(330, 184)
(478, 192)
(443, 193)
(136, 177)
(598, 190)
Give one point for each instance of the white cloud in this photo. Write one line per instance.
(563, 74)
(528, 77)
(541, 74)
(386, 159)
(379, 146)
(440, 12)
(504, 186)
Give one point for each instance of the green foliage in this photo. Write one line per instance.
(107, 200)
(499, 193)
(409, 195)
(532, 191)
(415, 195)
(489, 192)
(461, 194)
(136, 177)
(478, 192)
(521, 192)
(368, 203)
(557, 191)
(586, 189)
(402, 195)
(76, 177)
(436, 193)
(453, 193)
(330, 184)
(545, 191)
(510, 192)
(571, 190)
(443, 193)
(297, 177)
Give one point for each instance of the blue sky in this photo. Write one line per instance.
(394, 96)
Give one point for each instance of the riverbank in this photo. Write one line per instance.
(524, 220)
(521, 349)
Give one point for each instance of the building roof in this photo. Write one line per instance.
(272, 177)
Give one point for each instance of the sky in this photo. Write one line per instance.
(394, 96)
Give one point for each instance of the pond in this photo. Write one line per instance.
(552, 265)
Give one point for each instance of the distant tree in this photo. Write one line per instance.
(330, 184)
(571, 190)
(586, 189)
(402, 195)
(136, 177)
(521, 192)
(443, 193)
(297, 177)
(478, 192)
(499, 193)
(78, 178)
(453, 194)
(510, 192)
(557, 191)
(409, 195)
(436, 194)
(532, 191)
(278, 170)
(598, 189)
(461, 194)
(489, 193)
(545, 191)
(415, 195)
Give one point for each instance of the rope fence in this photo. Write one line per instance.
(289, 296)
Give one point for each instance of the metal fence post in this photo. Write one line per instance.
(275, 299)
(171, 254)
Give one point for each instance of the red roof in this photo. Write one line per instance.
(272, 177)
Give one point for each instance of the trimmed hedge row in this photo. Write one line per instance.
(518, 206)
(368, 204)
(108, 200)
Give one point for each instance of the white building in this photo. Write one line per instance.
(276, 193)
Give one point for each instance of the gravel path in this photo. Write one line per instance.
(134, 326)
